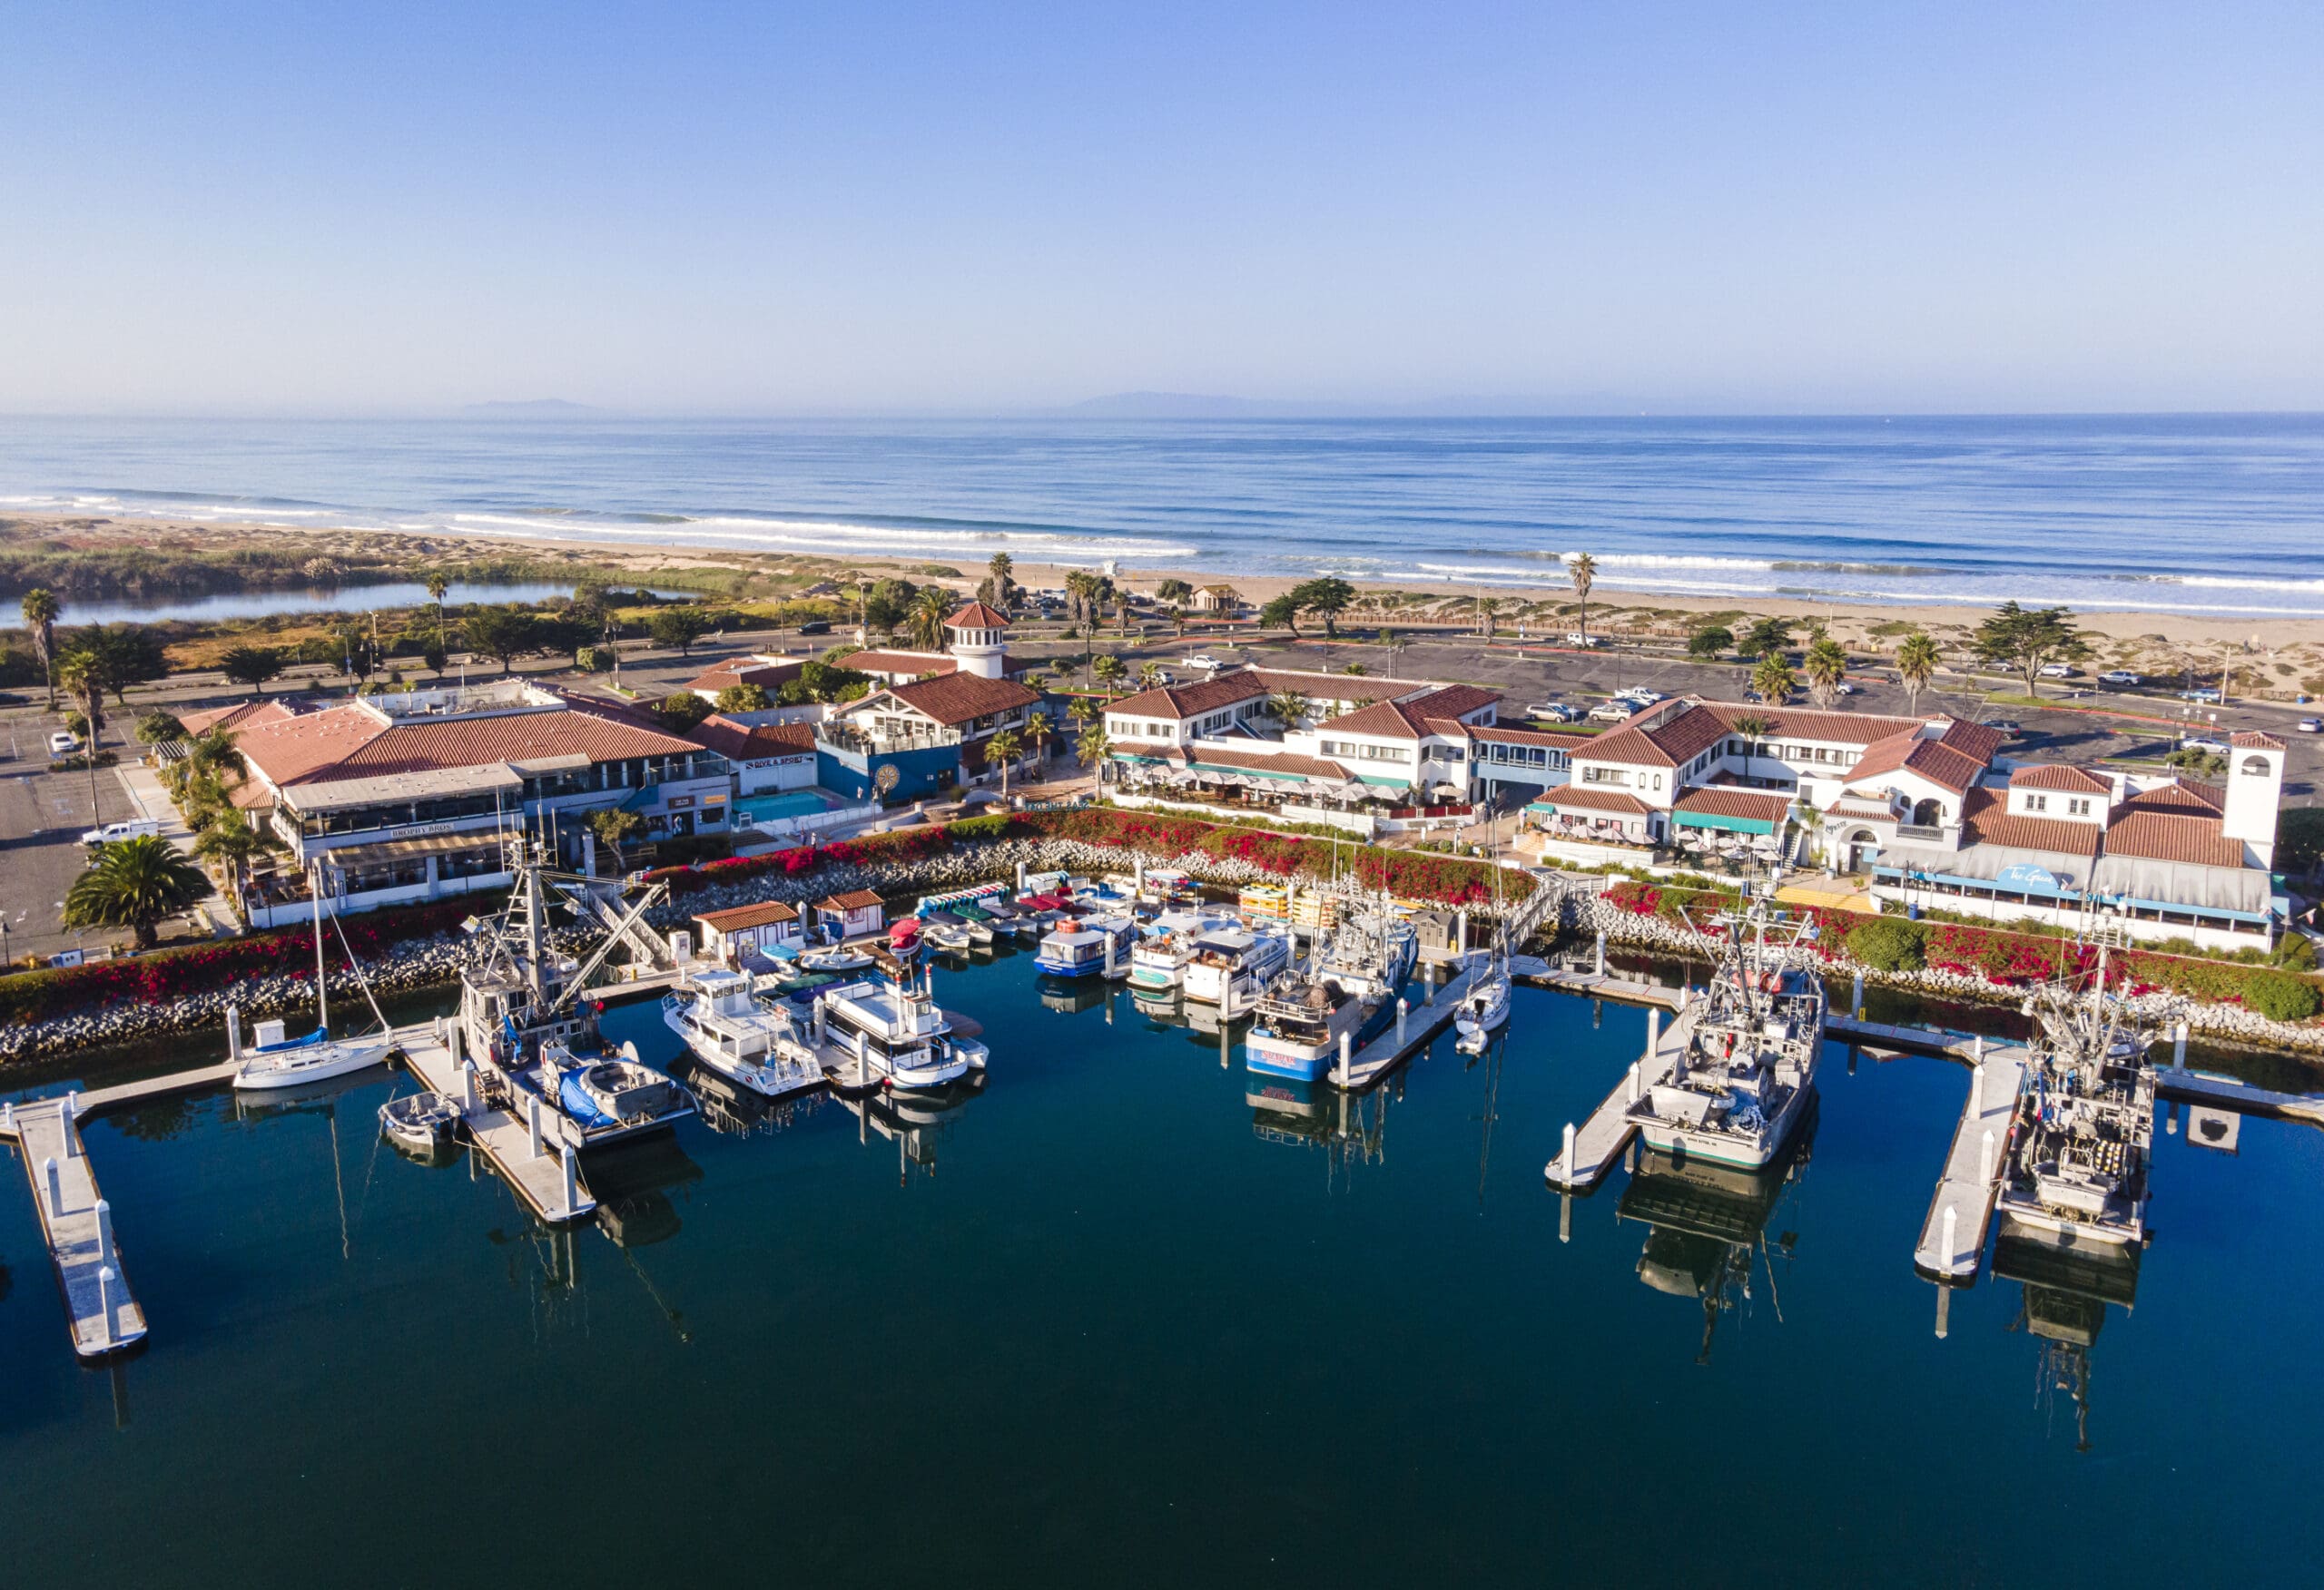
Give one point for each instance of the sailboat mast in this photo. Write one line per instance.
(322, 990)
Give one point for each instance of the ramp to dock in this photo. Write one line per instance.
(104, 1319)
(549, 1181)
(1598, 1142)
(1972, 1170)
(1398, 1043)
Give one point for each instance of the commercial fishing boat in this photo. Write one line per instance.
(1301, 1019)
(1224, 955)
(1372, 951)
(1744, 1055)
(731, 1031)
(2076, 1170)
(524, 1023)
(892, 1033)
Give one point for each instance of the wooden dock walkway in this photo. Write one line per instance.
(539, 1158)
(1590, 1151)
(1953, 1238)
(103, 1317)
(1400, 1041)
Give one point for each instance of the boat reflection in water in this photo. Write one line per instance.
(2067, 1292)
(633, 1182)
(727, 1107)
(1074, 995)
(1350, 1128)
(1707, 1224)
(916, 1121)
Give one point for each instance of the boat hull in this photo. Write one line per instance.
(1726, 1148)
(296, 1068)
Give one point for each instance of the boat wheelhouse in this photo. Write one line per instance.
(1301, 1025)
(893, 1033)
(1224, 955)
(1084, 947)
(729, 1029)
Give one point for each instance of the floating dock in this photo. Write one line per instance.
(103, 1317)
(1590, 1151)
(1953, 1238)
(533, 1152)
(1409, 1034)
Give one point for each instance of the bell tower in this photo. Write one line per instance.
(978, 639)
(2255, 787)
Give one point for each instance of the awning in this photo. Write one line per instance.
(346, 856)
(1713, 819)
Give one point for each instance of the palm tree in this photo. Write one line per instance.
(1583, 571)
(1149, 676)
(232, 844)
(1774, 679)
(1082, 710)
(1001, 751)
(41, 612)
(213, 754)
(1486, 607)
(1916, 666)
(1001, 574)
(436, 586)
(1287, 707)
(1039, 732)
(1754, 728)
(1825, 665)
(82, 676)
(134, 884)
(926, 619)
(1108, 670)
(1091, 749)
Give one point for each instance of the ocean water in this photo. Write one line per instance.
(1126, 1317)
(2201, 513)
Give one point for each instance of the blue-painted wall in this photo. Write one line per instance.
(919, 774)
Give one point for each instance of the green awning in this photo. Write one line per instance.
(1204, 766)
(1734, 825)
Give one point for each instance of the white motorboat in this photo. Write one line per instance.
(1224, 953)
(1158, 961)
(752, 1041)
(275, 1061)
(606, 1097)
(1483, 1010)
(1743, 1067)
(892, 1033)
(835, 957)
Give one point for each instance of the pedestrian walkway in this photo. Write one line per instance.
(150, 800)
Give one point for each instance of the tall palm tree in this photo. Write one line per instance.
(1753, 729)
(437, 587)
(1583, 571)
(1108, 670)
(1001, 751)
(1000, 574)
(82, 676)
(41, 612)
(134, 884)
(1487, 606)
(1915, 666)
(1090, 749)
(1287, 707)
(926, 619)
(1149, 676)
(231, 844)
(1825, 665)
(1774, 679)
(213, 753)
(1039, 732)
(1083, 711)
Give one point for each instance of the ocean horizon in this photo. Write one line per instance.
(2197, 513)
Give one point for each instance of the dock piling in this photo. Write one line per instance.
(1856, 1001)
(65, 1112)
(105, 1281)
(55, 1187)
(1347, 1044)
(1977, 1088)
(1653, 1031)
(1565, 1152)
(234, 1033)
(572, 1189)
(1633, 1081)
(533, 1121)
(1952, 1219)
(1404, 1009)
(2178, 1047)
(1599, 966)
(468, 1087)
(7, 1115)
(104, 1231)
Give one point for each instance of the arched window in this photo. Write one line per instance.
(2256, 766)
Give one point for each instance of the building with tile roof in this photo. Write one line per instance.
(725, 936)
(770, 750)
(976, 641)
(769, 674)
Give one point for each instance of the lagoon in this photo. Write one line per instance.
(1111, 1321)
(222, 605)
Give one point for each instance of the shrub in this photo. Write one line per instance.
(1888, 944)
(2281, 997)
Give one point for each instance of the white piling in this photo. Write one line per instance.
(2178, 1047)
(1403, 1008)
(1952, 1219)
(1020, 878)
(1985, 1158)
(533, 1121)
(1653, 1031)
(1600, 966)
(1634, 1082)
(55, 1187)
(1347, 1044)
(572, 1193)
(1977, 1088)
(468, 1087)
(1461, 933)
(104, 1231)
(1856, 1003)
(106, 1278)
(64, 1114)
(7, 1114)
(1977, 1049)
(1565, 1154)
(234, 1034)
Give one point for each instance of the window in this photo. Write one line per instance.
(2037, 803)
(2255, 767)
(1605, 776)
(2078, 807)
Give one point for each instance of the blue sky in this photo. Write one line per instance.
(869, 208)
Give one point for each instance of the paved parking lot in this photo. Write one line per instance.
(42, 818)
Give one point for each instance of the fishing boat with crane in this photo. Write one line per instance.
(1744, 1067)
(2076, 1168)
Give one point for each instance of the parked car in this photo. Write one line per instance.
(114, 832)
(2059, 670)
(1556, 713)
(1610, 712)
(1578, 639)
(1164, 676)
(2008, 726)
(2198, 742)
(1200, 659)
(1640, 694)
(1844, 687)
(2311, 725)
(815, 626)
(2207, 698)
(2120, 676)
(64, 742)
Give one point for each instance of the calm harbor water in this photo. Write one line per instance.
(1111, 1321)
(2173, 513)
(228, 604)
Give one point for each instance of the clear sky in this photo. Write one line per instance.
(953, 207)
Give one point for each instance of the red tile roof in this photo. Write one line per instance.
(1335, 687)
(1833, 728)
(2182, 795)
(1586, 800)
(2255, 740)
(1180, 701)
(1663, 741)
(1972, 740)
(960, 698)
(241, 715)
(853, 900)
(2161, 836)
(1987, 820)
(911, 663)
(1933, 759)
(747, 742)
(2064, 776)
(976, 616)
(747, 671)
(1754, 805)
(741, 917)
(1438, 711)
(1454, 700)
(1495, 732)
(353, 741)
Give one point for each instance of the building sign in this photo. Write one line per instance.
(2032, 879)
(679, 802)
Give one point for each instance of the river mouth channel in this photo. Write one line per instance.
(1129, 1314)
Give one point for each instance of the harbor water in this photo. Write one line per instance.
(1126, 1315)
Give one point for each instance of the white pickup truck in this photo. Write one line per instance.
(113, 832)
